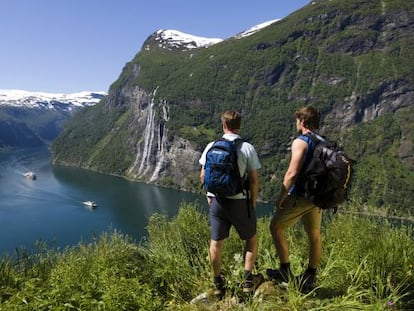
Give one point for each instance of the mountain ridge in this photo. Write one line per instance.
(27, 99)
(36, 118)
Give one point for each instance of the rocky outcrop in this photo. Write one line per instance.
(389, 97)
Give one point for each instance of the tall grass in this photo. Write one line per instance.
(367, 265)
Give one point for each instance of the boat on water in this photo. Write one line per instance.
(90, 204)
(30, 175)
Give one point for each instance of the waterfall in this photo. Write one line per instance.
(151, 156)
(148, 137)
(161, 156)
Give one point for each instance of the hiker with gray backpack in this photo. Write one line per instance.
(229, 176)
(317, 178)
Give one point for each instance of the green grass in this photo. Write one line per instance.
(367, 264)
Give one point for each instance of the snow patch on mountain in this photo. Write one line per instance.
(168, 39)
(255, 29)
(25, 99)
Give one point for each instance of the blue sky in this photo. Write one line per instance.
(65, 46)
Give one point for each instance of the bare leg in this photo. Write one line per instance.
(250, 253)
(315, 247)
(312, 224)
(280, 242)
(215, 255)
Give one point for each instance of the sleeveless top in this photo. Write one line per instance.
(297, 189)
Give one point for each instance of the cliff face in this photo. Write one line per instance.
(352, 60)
(156, 156)
(391, 97)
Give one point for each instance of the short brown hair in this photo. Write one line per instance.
(310, 117)
(232, 119)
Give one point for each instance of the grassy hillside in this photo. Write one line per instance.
(90, 133)
(366, 265)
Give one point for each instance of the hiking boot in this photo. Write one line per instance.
(220, 288)
(251, 284)
(306, 282)
(279, 276)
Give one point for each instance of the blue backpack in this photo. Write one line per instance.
(222, 175)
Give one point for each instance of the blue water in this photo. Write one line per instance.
(50, 208)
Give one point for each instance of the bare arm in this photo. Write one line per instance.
(298, 152)
(202, 174)
(254, 187)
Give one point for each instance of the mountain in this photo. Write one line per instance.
(35, 118)
(353, 60)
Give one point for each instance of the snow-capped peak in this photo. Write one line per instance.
(20, 98)
(176, 39)
(255, 29)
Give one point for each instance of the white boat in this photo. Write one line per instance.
(90, 204)
(30, 175)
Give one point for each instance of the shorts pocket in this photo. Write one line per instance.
(289, 202)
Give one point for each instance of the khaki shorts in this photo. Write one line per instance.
(295, 208)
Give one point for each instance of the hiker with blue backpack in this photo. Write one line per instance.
(292, 205)
(230, 178)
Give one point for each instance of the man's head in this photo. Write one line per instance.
(308, 117)
(231, 120)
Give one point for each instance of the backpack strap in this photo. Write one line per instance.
(244, 178)
(316, 138)
(312, 141)
(237, 142)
